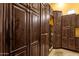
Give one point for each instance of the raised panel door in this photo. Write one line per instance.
(18, 43)
(34, 33)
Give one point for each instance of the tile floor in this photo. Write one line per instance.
(62, 52)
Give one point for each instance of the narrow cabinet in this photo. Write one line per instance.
(77, 38)
(44, 30)
(4, 30)
(18, 42)
(1, 30)
(34, 33)
(57, 29)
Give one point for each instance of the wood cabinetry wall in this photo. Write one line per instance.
(24, 29)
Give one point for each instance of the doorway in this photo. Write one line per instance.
(51, 23)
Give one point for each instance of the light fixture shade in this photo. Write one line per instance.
(72, 12)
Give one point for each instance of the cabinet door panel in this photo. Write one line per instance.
(19, 28)
(64, 42)
(1, 31)
(44, 30)
(18, 31)
(34, 33)
(64, 32)
(77, 38)
(77, 21)
(77, 44)
(71, 43)
(57, 28)
(44, 45)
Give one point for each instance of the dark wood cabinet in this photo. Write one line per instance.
(45, 16)
(18, 42)
(77, 38)
(57, 29)
(34, 33)
(69, 25)
(4, 30)
(64, 32)
(24, 29)
(1, 29)
(68, 31)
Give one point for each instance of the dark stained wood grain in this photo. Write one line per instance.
(1, 27)
(45, 16)
(24, 29)
(57, 29)
(68, 31)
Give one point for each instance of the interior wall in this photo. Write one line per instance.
(65, 7)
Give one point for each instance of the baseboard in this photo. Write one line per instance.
(71, 50)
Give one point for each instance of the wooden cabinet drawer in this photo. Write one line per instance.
(71, 43)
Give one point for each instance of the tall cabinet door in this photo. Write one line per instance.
(1, 29)
(77, 37)
(34, 33)
(43, 34)
(57, 29)
(4, 30)
(44, 30)
(18, 42)
(64, 33)
(71, 32)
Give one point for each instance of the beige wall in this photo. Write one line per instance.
(65, 7)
